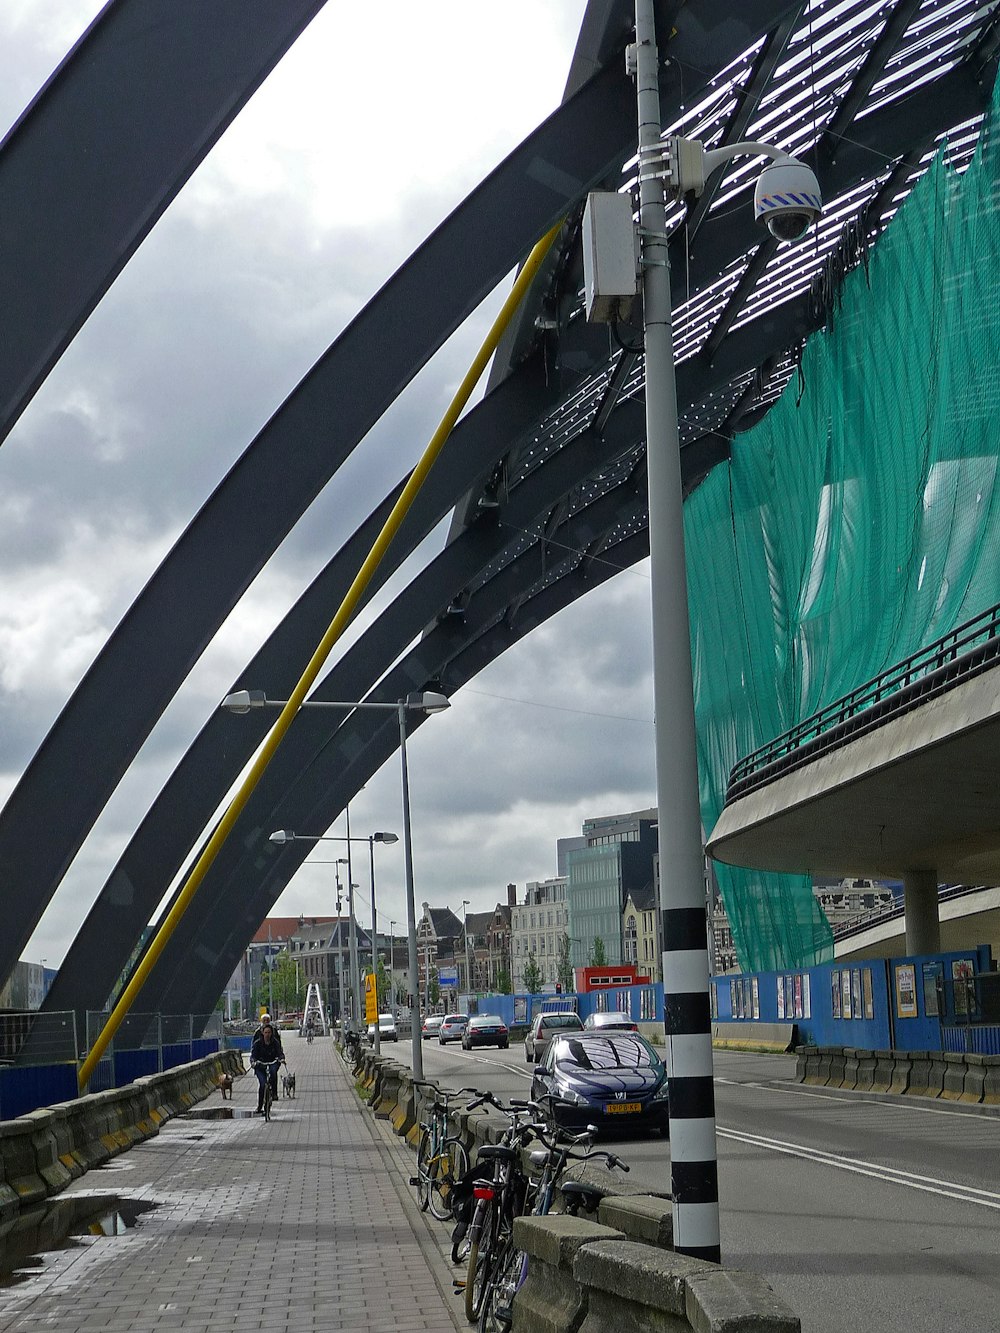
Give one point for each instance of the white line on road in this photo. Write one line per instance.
(928, 1184)
(902, 1104)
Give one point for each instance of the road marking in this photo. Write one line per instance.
(903, 1105)
(494, 1064)
(928, 1184)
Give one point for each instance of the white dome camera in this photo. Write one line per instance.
(787, 199)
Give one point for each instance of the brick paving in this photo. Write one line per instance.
(299, 1225)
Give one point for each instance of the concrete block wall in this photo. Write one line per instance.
(970, 1078)
(40, 1153)
(579, 1267)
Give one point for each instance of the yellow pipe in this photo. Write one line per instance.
(337, 626)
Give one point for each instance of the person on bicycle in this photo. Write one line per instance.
(266, 1054)
(310, 1027)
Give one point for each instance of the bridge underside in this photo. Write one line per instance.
(917, 793)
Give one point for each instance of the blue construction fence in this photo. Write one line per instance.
(910, 1003)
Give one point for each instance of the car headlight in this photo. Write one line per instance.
(662, 1093)
(572, 1096)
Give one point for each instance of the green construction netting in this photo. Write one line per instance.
(858, 522)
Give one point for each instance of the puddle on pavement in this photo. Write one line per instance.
(60, 1225)
(219, 1113)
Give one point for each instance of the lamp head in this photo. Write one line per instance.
(787, 199)
(431, 702)
(281, 836)
(241, 701)
(387, 838)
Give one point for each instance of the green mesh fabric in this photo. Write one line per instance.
(857, 524)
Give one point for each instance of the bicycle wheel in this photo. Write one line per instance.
(450, 1164)
(480, 1267)
(424, 1160)
(267, 1098)
(496, 1314)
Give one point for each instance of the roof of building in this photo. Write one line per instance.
(478, 923)
(444, 923)
(644, 898)
(274, 929)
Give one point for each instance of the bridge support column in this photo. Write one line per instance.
(920, 903)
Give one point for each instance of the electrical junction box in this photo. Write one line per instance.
(610, 257)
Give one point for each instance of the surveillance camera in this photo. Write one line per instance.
(786, 199)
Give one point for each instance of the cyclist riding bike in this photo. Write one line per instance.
(266, 1054)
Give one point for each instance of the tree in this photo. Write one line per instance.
(503, 984)
(532, 975)
(564, 968)
(383, 987)
(433, 987)
(289, 995)
(598, 953)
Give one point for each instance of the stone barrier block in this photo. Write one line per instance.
(20, 1167)
(926, 1074)
(63, 1134)
(838, 1059)
(991, 1083)
(825, 1070)
(43, 1142)
(901, 1072)
(551, 1299)
(975, 1079)
(631, 1286)
(849, 1078)
(866, 1062)
(386, 1098)
(404, 1118)
(953, 1081)
(644, 1218)
(725, 1301)
(885, 1068)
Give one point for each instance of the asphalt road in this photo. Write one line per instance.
(863, 1215)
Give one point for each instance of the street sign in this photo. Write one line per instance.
(371, 998)
(448, 977)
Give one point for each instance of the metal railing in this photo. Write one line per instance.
(31, 1038)
(893, 911)
(965, 652)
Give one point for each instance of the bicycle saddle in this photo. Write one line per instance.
(580, 1195)
(493, 1152)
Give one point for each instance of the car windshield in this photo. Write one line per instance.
(593, 1054)
(560, 1021)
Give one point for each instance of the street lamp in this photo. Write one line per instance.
(428, 702)
(281, 836)
(786, 200)
(465, 926)
(340, 861)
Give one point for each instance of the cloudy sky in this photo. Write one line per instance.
(316, 194)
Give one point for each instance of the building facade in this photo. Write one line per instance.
(617, 860)
(538, 926)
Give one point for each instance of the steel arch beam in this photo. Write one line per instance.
(85, 174)
(213, 563)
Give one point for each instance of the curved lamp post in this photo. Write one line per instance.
(241, 701)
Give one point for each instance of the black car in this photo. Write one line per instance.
(485, 1030)
(609, 1079)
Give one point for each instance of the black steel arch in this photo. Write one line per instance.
(86, 174)
(897, 130)
(143, 664)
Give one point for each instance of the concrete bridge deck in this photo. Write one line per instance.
(299, 1225)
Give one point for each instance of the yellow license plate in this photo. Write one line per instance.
(621, 1107)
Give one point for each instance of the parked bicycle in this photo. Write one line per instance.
(498, 1199)
(442, 1158)
(511, 1266)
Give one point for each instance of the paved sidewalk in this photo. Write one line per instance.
(299, 1225)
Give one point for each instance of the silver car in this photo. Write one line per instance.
(543, 1028)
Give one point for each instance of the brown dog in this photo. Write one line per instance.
(226, 1086)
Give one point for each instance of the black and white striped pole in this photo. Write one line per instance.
(687, 1018)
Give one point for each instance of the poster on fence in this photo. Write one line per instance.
(906, 990)
(962, 970)
(835, 993)
(867, 992)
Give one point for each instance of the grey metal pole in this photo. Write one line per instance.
(355, 970)
(371, 858)
(340, 958)
(411, 913)
(693, 1155)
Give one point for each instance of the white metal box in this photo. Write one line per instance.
(610, 265)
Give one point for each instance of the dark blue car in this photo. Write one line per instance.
(614, 1080)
